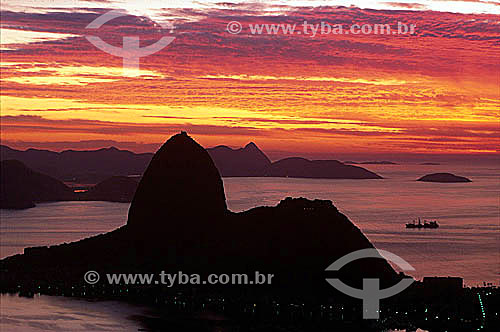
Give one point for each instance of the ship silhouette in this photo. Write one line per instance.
(426, 224)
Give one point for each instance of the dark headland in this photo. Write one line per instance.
(114, 189)
(443, 177)
(22, 188)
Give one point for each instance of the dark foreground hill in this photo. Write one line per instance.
(178, 221)
(21, 187)
(443, 177)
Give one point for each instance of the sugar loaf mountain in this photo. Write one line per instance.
(178, 221)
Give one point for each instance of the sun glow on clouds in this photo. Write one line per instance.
(59, 109)
(49, 80)
(311, 78)
(70, 75)
(10, 39)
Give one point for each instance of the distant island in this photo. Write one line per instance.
(325, 169)
(430, 164)
(375, 162)
(94, 166)
(443, 177)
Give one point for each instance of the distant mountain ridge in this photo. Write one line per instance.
(81, 166)
(94, 166)
(247, 161)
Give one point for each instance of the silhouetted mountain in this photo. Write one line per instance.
(250, 161)
(247, 161)
(443, 177)
(21, 187)
(81, 166)
(114, 189)
(181, 181)
(178, 221)
(325, 169)
(88, 167)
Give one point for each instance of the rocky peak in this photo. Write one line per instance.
(181, 182)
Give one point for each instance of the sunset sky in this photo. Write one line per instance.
(435, 92)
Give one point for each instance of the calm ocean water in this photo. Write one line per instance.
(467, 244)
